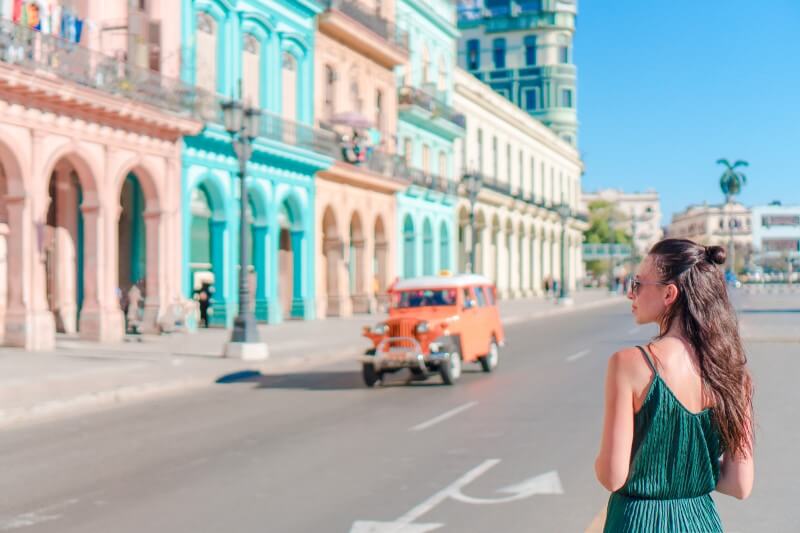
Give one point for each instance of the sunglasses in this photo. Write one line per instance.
(636, 284)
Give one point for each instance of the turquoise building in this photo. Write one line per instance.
(263, 51)
(427, 129)
(523, 50)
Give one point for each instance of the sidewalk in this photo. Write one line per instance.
(78, 374)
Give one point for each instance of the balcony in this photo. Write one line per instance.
(345, 20)
(497, 186)
(432, 182)
(41, 63)
(430, 113)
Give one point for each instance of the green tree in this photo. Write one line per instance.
(607, 224)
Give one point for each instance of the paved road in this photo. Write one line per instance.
(317, 452)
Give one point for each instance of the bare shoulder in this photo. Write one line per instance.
(628, 363)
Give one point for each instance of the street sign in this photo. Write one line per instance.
(599, 251)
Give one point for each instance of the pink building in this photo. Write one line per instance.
(358, 47)
(90, 166)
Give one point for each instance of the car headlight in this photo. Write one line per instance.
(423, 327)
(380, 329)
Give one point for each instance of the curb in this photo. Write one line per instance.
(99, 400)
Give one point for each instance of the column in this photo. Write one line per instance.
(260, 265)
(360, 296)
(382, 260)
(154, 273)
(300, 308)
(218, 306)
(66, 238)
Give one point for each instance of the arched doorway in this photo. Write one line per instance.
(427, 248)
(63, 247)
(258, 274)
(480, 243)
(409, 248)
(380, 263)
(494, 251)
(444, 247)
(207, 251)
(511, 257)
(132, 249)
(355, 266)
(291, 239)
(332, 257)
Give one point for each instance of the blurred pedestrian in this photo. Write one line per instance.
(678, 411)
(204, 301)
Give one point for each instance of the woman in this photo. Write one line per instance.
(678, 413)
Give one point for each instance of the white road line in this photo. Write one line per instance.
(444, 416)
(576, 356)
(44, 514)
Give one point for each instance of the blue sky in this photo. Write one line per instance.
(668, 87)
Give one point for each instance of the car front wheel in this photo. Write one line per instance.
(371, 377)
(450, 370)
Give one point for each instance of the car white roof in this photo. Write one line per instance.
(437, 282)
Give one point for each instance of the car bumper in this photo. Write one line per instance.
(410, 355)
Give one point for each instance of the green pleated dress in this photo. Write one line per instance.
(674, 468)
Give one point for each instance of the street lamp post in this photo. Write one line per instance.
(474, 182)
(564, 211)
(242, 123)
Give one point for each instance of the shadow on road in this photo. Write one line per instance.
(325, 380)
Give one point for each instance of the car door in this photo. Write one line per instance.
(467, 322)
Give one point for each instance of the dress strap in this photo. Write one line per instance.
(649, 359)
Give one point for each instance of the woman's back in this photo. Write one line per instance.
(674, 465)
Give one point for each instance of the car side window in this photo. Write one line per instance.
(490, 296)
(469, 299)
(480, 296)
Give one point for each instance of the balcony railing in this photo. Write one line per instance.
(497, 186)
(433, 182)
(413, 96)
(50, 56)
(371, 19)
(392, 166)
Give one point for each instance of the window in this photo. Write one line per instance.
(441, 84)
(508, 162)
(530, 50)
(566, 97)
(330, 92)
(289, 86)
(426, 154)
(251, 70)
(379, 110)
(563, 54)
(531, 99)
(473, 54)
(408, 150)
(494, 158)
(480, 296)
(426, 64)
(442, 164)
(355, 98)
(552, 185)
(206, 52)
(533, 177)
(499, 53)
(491, 298)
(521, 172)
(480, 150)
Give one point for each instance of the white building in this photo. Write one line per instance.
(642, 211)
(714, 225)
(527, 170)
(776, 230)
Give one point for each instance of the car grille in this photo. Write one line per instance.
(402, 328)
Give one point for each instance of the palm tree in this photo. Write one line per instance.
(731, 183)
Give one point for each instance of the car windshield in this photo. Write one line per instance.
(423, 298)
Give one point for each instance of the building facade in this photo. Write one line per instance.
(263, 53)
(776, 231)
(716, 225)
(642, 212)
(527, 171)
(523, 50)
(90, 163)
(427, 128)
(358, 46)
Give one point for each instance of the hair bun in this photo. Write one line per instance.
(716, 255)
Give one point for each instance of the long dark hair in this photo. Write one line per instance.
(708, 321)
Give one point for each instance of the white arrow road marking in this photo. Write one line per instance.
(548, 483)
(363, 526)
(576, 356)
(444, 416)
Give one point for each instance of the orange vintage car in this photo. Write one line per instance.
(436, 324)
